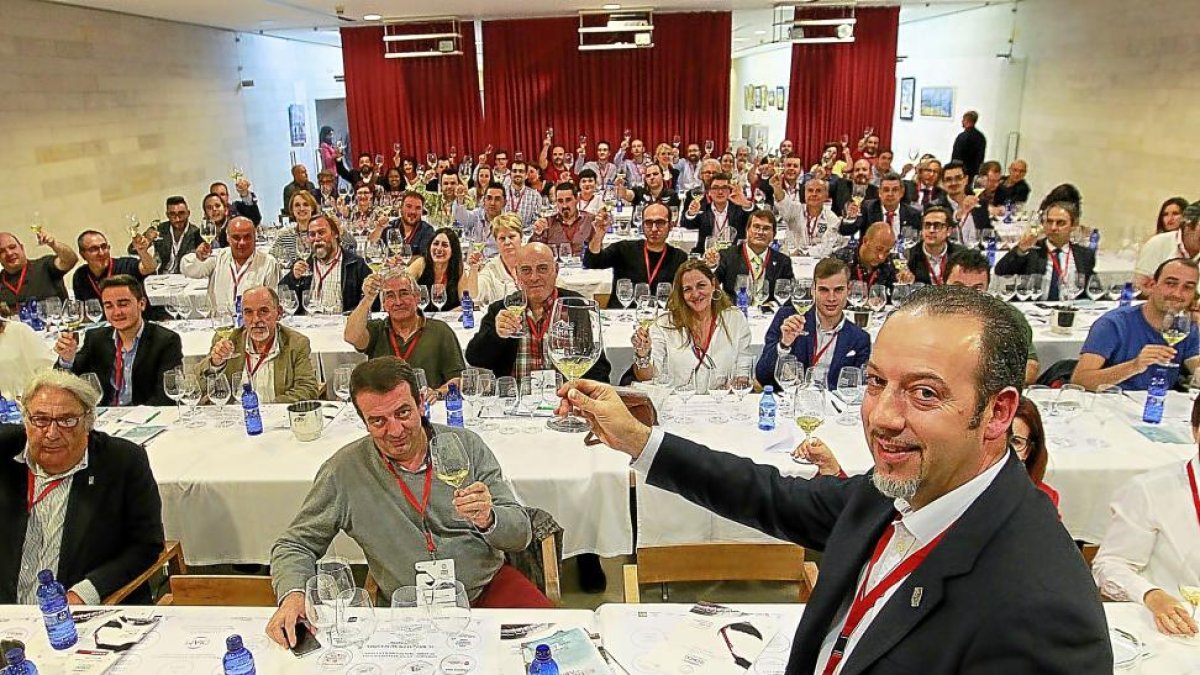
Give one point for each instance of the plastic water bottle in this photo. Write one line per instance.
(18, 664)
(775, 245)
(766, 409)
(743, 301)
(1008, 212)
(52, 598)
(23, 314)
(991, 252)
(238, 660)
(468, 311)
(1126, 295)
(35, 320)
(454, 407)
(10, 413)
(250, 410)
(1156, 396)
(543, 663)
(1094, 240)
(238, 319)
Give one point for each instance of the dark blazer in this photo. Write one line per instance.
(488, 350)
(912, 194)
(162, 247)
(872, 212)
(160, 350)
(980, 215)
(917, 262)
(1034, 262)
(1006, 591)
(853, 347)
(113, 528)
(354, 272)
(732, 263)
(704, 222)
(844, 190)
(254, 213)
(970, 146)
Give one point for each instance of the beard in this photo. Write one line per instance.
(899, 488)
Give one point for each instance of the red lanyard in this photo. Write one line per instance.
(422, 506)
(20, 282)
(1059, 270)
(870, 280)
(119, 375)
(750, 268)
(571, 230)
(813, 223)
(33, 501)
(332, 265)
(237, 278)
(719, 227)
(515, 204)
(96, 287)
(262, 358)
(1195, 493)
(818, 352)
(935, 277)
(864, 601)
(537, 329)
(701, 353)
(411, 345)
(651, 276)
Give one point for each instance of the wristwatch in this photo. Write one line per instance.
(641, 361)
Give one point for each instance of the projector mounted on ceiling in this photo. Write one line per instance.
(418, 38)
(815, 22)
(623, 29)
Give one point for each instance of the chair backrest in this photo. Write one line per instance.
(720, 562)
(191, 590)
(539, 561)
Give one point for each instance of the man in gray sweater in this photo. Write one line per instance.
(380, 491)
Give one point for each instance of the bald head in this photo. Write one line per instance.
(877, 243)
(240, 233)
(537, 272)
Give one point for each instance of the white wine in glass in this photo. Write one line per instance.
(1176, 327)
(574, 343)
(1190, 595)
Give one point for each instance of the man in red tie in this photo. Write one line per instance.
(941, 541)
(889, 208)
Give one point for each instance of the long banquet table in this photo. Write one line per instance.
(192, 640)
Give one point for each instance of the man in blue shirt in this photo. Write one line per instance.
(1126, 343)
(823, 336)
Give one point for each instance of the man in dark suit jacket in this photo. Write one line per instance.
(929, 260)
(106, 510)
(889, 208)
(1034, 257)
(718, 214)
(970, 218)
(134, 374)
(324, 236)
(859, 185)
(497, 347)
(970, 146)
(790, 333)
(175, 238)
(736, 260)
(925, 189)
(981, 546)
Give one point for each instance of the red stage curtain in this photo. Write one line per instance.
(843, 88)
(535, 76)
(425, 104)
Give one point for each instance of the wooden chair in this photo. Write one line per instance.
(719, 562)
(1089, 552)
(219, 590)
(171, 558)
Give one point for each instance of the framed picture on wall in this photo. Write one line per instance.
(748, 93)
(770, 98)
(779, 98)
(908, 92)
(937, 102)
(760, 94)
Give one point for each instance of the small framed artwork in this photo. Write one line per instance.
(770, 99)
(779, 98)
(760, 94)
(937, 102)
(748, 93)
(908, 92)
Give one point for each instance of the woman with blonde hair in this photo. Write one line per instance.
(301, 208)
(497, 277)
(700, 331)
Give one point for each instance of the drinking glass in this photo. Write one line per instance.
(640, 291)
(515, 304)
(53, 308)
(857, 294)
(93, 381)
(288, 301)
(1115, 286)
(341, 382)
(438, 296)
(202, 305)
(1176, 327)
(487, 395)
(810, 410)
(339, 570)
(849, 390)
(624, 295)
(1095, 288)
(451, 464)
(190, 394)
(424, 291)
(181, 306)
(208, 231)
(877, 297)
(1025, 289)
(395, 242)
(173, 388)
(1008, 287)
(320, 603)
(449, 609)
(93, 311)
(564, 254)
(507, 395)
(1070, 401)
(574, 343)
(783, 291)
(1043, 397)
(742, 383)
(662, 293)
(468, 386)
(218, 391)
(788, 374)
(423, 387)
(72, 314)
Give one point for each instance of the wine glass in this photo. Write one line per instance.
(640, 291)
(565, 254)
(515, 304)
(877, 297)
(1008, 287)
(810, 410)
(487, 392)
(1176, 327)
(52, 307)
(320, 603)
(93, 311)
(624, 295)
(451, 464)
(448, 606)
(1190, 595)
(788, 374)
(218, 391)
(1115, 287)
(202, 305)
(1095, 288)
(341, 382)
(801, 296)
(709, 146)
(355, 617)
(208, 231)
(662, 293)
(783, 291)
(857, 294)
(72, 314)
(742, 383)
(1043, 397)
(1025, 289)
(288, 301)
(468, 387)
(173, 388)
(190, 394)
(507, 395)
(574, 343)
(1070, 401)
(93, 381)
(849, 390)
(437, 297)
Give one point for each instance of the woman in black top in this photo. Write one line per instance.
(443, 264)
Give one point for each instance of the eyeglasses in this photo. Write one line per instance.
(44, 421)
(96, 249)
(1019, 443)
(654, 222)
(935, 226)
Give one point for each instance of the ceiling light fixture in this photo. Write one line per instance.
(371, 17)
(611, 7)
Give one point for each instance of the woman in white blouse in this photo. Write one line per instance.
(497, 277)
(701, 330)
(22, 353)
(1152, 545)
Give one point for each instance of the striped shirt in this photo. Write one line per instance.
(44, 532)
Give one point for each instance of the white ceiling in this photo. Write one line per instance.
(318, 20)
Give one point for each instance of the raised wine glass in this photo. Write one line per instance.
(451, 464)
(1176, 327)
(801, 296)
(574, 343)
(810, 410)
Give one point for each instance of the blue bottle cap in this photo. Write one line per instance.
(46, 577)
(15, 655)
(233, 643)
(542, 651)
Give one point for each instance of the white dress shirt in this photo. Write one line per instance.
(494, 282)
(1153, 537)
(263, 382)
(1159, 249)
(44, 533)
(671, 348)
(1066, 263)
(227, 280)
